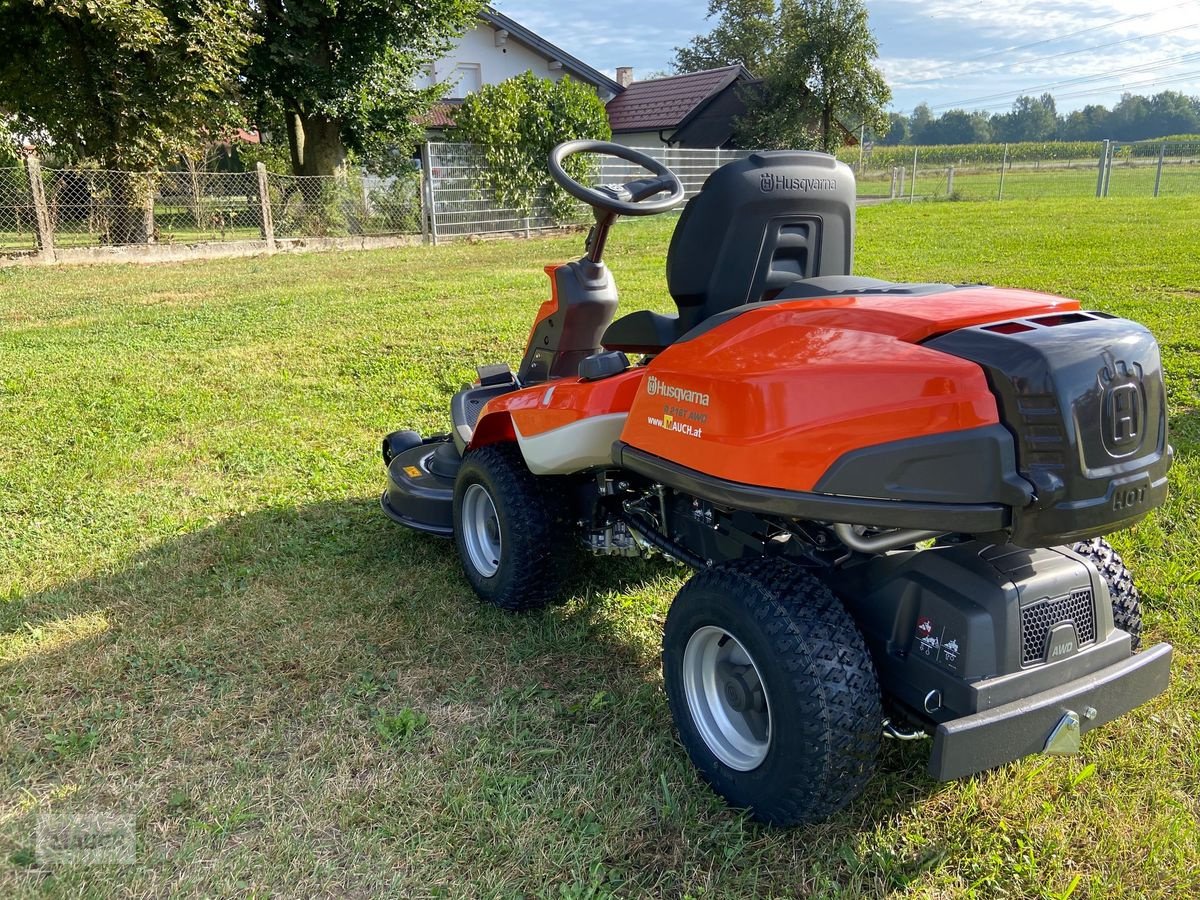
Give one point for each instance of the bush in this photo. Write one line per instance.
(516, 124)
(396, 204)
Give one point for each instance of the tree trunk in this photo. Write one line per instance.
(324, 152)
(295, 133)
(315, 143)
(827, 128)
(131, 215)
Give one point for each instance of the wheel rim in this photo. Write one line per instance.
(481, 530)
(727, 698)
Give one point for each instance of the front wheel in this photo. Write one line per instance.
(510, 530)
(772, 689)
(1126, 601)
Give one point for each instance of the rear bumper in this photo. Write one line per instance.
(1005, 733)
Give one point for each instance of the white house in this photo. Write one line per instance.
(499, 48)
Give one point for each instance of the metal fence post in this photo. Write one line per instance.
(42, 223)
(1112, 152)
(1162, 155)
(267, 228)
(427, 195)
(1102, 167)
(1003, 169)
(950, 182)
(912, 195)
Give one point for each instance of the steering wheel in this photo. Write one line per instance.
(629, 199)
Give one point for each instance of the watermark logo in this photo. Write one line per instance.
(86, 839)
(771, 181)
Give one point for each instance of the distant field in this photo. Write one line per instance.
(206, 622)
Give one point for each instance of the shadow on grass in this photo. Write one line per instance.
(327, 627)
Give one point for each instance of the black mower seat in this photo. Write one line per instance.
(643, 331)
(757, 225)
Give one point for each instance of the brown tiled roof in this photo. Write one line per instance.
(440, 115)
(665, 102)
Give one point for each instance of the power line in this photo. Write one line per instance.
(1151, 66)
(1091, 92)
(1164, 79)
(1029, 62)
(1070, 34)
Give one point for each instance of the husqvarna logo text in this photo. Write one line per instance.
(774, 182)
(656, 388)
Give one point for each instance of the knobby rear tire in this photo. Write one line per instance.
(819, 679)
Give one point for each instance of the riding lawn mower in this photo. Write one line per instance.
(894, 496)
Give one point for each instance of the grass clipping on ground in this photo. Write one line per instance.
(206, 622)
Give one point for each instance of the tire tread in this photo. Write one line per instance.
(532, 577)
(826, 657)
(1126, 600)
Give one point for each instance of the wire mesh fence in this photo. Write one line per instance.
(462, 196)
(355, 203)
(62, 209)
(18, 216)
(96, 207)
(453, 194)
(989, 172)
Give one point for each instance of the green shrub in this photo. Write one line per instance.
(516, 124)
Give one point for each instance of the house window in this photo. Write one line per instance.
(466, 79)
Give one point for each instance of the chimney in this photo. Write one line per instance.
(624, 76)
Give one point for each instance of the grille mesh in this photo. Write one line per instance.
(1039, 618)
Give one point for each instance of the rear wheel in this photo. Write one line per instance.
(510, 530)
(1126, 601)
(772, 689)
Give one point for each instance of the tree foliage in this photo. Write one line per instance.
(1036, 119)
(340, 74)
(816, 59)
(128, 83)
(9, 143)
(747, 32)
(517, 123)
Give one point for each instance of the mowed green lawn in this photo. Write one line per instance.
(207, 623)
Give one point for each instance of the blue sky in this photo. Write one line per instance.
(948, 53)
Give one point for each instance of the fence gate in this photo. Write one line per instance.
(462, 200)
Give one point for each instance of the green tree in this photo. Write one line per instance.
(957, 127)
(517, 123)
(816, 59)
(1087, 124)
(10, 145)
(922, 118)
(1031, 119)
(747, 32)
(340, 74)
(126, 84)
(897, 130)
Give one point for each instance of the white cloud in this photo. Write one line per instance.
(943, 52)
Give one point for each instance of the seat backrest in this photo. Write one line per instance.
(757, 225)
